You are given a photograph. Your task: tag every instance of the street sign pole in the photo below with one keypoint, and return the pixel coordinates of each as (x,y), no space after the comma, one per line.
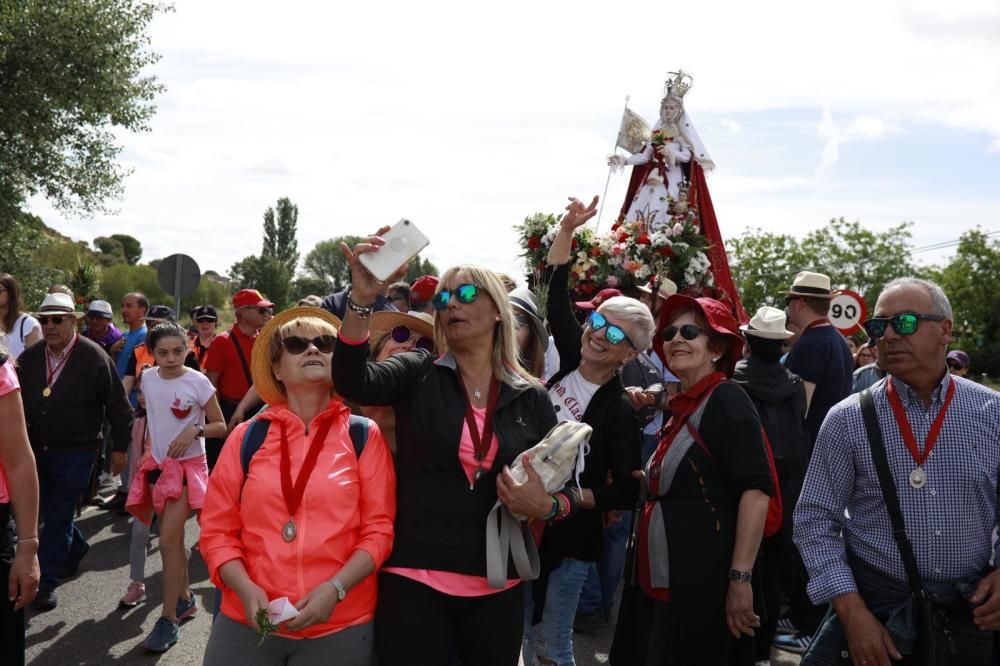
(177,283)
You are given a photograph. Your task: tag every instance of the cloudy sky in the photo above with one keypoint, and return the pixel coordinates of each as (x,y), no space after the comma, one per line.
(467,117)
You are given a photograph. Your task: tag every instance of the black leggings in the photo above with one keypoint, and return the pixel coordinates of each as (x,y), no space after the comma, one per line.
(415,625)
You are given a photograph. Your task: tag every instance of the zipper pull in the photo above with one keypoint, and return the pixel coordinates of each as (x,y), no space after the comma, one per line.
(475,477)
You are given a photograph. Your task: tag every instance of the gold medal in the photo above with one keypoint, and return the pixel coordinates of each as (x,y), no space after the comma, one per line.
(288,531)
(47,392)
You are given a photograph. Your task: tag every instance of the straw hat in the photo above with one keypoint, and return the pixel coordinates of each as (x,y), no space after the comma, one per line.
(384,321)
(667,288)
(811,285)
(260,361)
(768,323)
(58,304)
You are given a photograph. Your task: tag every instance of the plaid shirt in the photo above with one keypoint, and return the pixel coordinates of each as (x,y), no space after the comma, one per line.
(951,521)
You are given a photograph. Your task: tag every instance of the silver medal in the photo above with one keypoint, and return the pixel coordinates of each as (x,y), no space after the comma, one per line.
(918,478)
(288,531)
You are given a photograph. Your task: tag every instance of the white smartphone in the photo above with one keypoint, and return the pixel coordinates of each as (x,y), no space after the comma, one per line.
(403,242)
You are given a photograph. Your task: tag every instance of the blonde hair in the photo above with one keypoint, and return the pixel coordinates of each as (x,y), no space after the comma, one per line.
(303,326)
(506,361)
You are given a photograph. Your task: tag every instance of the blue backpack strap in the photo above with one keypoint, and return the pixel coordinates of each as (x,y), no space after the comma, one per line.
(253,438)
(358,428)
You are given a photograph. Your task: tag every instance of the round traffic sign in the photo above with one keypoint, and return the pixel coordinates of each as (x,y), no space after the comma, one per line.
(847,311)
(179,275)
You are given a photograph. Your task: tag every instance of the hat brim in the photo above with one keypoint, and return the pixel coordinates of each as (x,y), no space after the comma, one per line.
(537,325)
(584,305)
(805,294)
(679,303)
(767,335)
(384,321)
(58,313)
(260,361)
(667,288)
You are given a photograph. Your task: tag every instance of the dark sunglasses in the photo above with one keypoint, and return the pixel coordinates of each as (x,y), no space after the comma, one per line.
(614,334)
(954,366)
(789,299)
(688,332)
(465,293)
(295,344)
(903,324)
(57,320)
(403,334)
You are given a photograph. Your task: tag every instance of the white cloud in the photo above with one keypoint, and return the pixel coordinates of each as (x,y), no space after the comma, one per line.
(732,125)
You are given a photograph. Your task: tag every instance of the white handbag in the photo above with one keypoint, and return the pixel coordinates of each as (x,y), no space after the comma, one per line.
(557,458)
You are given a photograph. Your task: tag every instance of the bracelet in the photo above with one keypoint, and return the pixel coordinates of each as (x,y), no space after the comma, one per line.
(555,509)
(737,576)
(363,311)
(27,539)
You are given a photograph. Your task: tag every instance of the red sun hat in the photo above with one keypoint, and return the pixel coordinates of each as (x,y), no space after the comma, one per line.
(250,297)
(422,289)
(595,302)
(718,316)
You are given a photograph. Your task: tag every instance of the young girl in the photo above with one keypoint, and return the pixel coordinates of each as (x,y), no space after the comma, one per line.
(181,410)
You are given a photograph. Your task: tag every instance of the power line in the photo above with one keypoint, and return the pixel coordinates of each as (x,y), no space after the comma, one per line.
(946,244)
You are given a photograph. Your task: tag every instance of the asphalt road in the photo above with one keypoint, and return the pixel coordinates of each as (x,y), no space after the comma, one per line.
(88,628)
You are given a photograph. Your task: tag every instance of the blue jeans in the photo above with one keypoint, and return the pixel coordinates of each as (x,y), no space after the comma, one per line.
(63,477)
(598,595)
(552,638)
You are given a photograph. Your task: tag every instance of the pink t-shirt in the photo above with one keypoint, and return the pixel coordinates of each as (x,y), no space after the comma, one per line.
(8,384)
(449,582)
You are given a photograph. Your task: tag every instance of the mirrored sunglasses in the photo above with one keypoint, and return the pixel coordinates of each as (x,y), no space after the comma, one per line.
(295,344)
(903,324)
(403,334)
(614,334)
(465,293)
(688,332)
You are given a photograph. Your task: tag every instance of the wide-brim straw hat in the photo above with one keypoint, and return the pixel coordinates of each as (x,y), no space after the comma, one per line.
(383,321)
(667,288)
(768,323)
(810,285)
(260,361)
(58,304)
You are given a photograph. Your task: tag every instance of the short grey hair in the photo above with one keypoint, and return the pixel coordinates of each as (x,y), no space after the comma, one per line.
(636,317)
(942,306)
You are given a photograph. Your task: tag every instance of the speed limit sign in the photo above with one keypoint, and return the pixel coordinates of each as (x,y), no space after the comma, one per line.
(847,311)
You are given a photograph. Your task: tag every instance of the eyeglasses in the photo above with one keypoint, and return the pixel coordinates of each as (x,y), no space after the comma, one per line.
(57,320)
(295,344)
(903,324)
(615,335)
(789,299)
(688,332)
(954,366)
(403,334)
(465,293)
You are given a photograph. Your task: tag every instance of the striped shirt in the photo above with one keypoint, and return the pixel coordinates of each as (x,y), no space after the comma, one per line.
(951,521)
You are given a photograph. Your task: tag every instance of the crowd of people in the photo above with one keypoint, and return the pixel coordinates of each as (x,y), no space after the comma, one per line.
(745,486)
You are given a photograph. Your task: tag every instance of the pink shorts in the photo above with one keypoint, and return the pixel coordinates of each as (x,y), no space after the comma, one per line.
(144,498)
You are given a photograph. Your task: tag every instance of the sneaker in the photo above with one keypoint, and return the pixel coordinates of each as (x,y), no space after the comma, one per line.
(116,503)
(186,608)
(162,637)
(107,479)
(135,593)
(45,600)
(785,626)
(798,642)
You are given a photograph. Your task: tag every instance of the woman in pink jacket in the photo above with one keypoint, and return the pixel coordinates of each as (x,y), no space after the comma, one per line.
(309,519)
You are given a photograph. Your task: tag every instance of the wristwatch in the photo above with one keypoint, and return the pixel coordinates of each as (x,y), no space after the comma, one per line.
(341,590)
(200,429)
(737,576)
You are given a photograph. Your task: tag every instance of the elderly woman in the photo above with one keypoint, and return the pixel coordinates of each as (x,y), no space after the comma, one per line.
(307,517)
(587,388)
(709,484)
(461,419)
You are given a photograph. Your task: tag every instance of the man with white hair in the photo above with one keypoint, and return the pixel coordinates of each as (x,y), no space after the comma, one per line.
(899,507)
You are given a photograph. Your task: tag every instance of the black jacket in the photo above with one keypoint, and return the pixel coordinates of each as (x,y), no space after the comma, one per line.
(614,445)
(440,522)
(87,391)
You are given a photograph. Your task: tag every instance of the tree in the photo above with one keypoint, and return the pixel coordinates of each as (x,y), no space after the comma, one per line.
(110,251)
(326,264)
(972,282)
(419,267)
(74,73)
(21,238)
(762,265)
(131,248)
(280,230)
(266,274)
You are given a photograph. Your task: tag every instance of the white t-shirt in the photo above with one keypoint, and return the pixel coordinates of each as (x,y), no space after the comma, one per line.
(172,405)
(571,395)
(13,342)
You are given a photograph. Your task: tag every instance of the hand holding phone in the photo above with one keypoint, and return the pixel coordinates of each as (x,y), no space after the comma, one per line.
(401,243)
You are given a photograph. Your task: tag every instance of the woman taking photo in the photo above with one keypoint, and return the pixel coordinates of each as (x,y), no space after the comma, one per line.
(460,420)
(308,518)
(587,388)
(18,329)
(709,482)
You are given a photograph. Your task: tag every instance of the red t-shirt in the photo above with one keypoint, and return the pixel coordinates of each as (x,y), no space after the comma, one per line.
(223,359)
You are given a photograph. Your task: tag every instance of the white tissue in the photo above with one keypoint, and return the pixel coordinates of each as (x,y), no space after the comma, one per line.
(281,610)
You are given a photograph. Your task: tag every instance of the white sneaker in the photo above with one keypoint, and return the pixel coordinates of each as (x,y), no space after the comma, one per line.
(107,479)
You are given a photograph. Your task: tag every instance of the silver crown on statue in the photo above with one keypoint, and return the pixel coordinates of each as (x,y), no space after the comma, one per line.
(678,83)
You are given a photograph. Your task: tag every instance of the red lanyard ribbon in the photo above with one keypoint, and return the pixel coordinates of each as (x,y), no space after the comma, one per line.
(293,493)
(48,364)
(904,424)
(482,441)
(816,324)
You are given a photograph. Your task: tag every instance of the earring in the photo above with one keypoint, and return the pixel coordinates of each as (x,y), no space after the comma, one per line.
(715,359)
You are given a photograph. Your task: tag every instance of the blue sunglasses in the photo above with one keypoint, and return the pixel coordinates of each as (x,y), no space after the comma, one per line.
(614,334)
(465,293)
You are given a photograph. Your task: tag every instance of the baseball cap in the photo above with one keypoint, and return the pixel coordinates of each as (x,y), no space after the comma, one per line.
(250,297)
(204,312)
(958,356)
(100,309)
(595,302)
(161,312)
(423,288)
